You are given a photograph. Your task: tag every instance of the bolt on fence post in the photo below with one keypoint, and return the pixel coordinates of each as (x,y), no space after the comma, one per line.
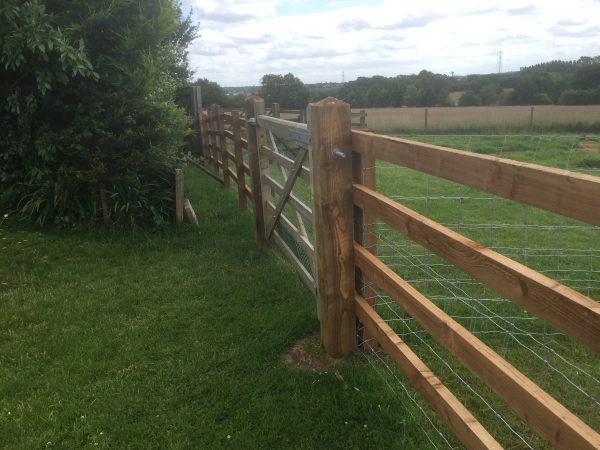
(255,106)
(333,216)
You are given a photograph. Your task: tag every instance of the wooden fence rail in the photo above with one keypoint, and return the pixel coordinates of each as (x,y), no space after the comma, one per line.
(342,248)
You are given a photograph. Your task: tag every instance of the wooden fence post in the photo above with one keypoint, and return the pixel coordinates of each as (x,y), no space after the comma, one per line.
(213,136)
(223,147)
(333,216)
(531,118)
(365,232)
(275,110)
(255,106)
(179,194)
(239,157)
(203,143)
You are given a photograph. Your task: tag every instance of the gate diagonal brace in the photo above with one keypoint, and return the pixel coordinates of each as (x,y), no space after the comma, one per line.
(287,189)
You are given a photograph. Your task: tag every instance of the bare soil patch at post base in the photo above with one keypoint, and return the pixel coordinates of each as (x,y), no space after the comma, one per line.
(306,354)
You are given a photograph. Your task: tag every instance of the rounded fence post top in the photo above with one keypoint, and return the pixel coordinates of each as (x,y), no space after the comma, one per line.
(252,98)
(329,101)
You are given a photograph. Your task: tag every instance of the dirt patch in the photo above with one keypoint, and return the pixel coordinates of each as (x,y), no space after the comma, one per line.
(306,354)
(589,146)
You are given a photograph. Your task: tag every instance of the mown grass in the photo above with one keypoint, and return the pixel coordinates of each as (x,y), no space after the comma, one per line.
(173,339)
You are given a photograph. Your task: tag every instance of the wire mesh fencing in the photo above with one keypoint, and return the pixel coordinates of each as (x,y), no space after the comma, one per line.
(563,249)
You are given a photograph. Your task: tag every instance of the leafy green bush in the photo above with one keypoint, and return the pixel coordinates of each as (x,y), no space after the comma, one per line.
(469,98)
(580,97)
(89,130)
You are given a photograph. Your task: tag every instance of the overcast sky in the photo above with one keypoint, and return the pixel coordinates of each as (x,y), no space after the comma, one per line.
(323,40)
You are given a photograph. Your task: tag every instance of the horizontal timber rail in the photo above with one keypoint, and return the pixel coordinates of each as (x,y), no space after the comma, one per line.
(560,191)
(470,432)
(567,310)
(550,419)
(337,259)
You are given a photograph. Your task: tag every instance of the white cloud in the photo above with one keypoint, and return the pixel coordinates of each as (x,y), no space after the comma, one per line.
(318,40)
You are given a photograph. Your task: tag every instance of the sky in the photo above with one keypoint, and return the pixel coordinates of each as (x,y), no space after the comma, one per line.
(337,40)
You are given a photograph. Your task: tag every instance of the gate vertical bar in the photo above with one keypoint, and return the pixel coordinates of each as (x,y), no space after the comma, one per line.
(333,215)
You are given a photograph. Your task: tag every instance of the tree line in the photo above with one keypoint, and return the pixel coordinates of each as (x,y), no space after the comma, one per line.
(574,82)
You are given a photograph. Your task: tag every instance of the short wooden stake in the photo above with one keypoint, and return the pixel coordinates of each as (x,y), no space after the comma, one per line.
(190,213)
(333,215)
(179,196)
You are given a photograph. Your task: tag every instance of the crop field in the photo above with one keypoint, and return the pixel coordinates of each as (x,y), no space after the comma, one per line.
(501,118)
(565,250)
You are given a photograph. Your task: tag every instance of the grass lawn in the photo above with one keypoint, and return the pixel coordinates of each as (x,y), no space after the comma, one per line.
(173,339)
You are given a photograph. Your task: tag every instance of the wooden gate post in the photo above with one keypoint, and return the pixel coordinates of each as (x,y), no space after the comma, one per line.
(223,146)
(213,135)
(275,110)
(239,157)
(255,106)
(330,122)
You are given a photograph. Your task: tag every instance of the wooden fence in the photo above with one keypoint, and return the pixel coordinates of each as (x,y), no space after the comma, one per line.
(334,232)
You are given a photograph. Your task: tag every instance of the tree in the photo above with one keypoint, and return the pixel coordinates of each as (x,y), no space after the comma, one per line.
(490,94)
(469,98)
(430,90)
(287,90)
(89,127)
(586,77)
(212,92)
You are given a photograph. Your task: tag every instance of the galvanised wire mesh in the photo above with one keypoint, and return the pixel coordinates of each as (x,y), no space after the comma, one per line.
(561,248)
